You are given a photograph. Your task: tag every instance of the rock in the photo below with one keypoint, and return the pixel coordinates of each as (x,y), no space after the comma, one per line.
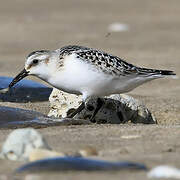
(16,117)
(118,27)
(62,164)
(135,110)
(11,118)
(33,177)
(37,154)
(116,108)
(23,91)
(164,171)
(21,142)
(130,136)
(88,151)
(62,103)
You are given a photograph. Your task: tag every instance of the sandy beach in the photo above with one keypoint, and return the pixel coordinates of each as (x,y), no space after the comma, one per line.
(151,40)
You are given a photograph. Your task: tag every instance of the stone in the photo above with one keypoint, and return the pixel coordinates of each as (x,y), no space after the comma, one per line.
(88,151)
(37,154)
(23,91)
(134,110)
(32,177)
(130,136)
(116,108)
(62,103)
(21,142)
(164,171)
(118,27)
(13,118)
(16,117)
(62,164)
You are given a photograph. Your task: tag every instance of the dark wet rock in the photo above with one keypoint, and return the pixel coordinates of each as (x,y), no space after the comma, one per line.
(23,91)
(77,164)
(14,117)
(116,108)
(20,118)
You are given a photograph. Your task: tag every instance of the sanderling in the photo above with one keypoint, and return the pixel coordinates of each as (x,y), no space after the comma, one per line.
(86,71)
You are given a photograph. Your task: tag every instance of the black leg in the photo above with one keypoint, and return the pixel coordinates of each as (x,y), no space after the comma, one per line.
(78,110)
(100,102)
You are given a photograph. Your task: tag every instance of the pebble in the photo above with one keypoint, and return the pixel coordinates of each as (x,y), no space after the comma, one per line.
(20,143)
(59,164)
(23,91)
(37,154)
(164,171)
(32,177)
(130,136)
(88,151)
(16,117)
(62,103)
(12,118)
(118,27)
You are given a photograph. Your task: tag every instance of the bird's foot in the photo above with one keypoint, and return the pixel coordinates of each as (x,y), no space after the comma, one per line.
(78,110)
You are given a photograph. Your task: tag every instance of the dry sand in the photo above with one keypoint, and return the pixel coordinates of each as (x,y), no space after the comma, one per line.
(152,41)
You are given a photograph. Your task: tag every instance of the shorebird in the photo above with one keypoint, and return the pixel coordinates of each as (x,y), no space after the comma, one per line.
(86,71)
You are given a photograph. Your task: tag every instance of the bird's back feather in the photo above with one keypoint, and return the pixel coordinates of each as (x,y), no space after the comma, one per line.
(110,64)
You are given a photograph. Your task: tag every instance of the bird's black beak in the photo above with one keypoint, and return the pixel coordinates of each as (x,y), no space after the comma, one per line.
(20,76)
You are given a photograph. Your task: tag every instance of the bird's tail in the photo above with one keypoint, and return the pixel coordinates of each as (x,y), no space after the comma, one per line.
(156,72)
(166,72)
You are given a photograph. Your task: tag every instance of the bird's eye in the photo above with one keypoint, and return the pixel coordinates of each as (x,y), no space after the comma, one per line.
(35,61)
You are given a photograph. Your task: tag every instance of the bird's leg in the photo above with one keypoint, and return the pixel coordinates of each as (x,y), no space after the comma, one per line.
(100,103)
(78,110)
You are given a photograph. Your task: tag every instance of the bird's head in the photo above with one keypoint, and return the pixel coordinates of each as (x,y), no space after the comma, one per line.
(36,64)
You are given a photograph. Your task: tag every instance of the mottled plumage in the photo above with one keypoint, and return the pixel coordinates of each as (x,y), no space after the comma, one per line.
(108,63)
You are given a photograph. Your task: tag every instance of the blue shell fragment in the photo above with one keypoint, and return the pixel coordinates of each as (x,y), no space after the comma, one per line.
(77,164)
(24,91)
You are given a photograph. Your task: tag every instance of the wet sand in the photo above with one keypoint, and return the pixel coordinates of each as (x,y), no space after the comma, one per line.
(151,41)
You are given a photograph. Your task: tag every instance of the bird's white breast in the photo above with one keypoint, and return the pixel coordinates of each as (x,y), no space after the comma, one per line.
(80,77)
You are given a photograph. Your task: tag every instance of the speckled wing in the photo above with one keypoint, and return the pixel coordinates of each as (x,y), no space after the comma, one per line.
(108,63)
(103,61)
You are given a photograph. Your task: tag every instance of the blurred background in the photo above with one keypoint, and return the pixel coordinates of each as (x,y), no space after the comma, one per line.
(143,32)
